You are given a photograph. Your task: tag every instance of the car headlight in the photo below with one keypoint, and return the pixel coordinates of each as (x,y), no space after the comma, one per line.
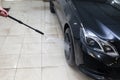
(91,42)
(97,44)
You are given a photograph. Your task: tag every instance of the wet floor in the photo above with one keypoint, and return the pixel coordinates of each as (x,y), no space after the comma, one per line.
(27,55)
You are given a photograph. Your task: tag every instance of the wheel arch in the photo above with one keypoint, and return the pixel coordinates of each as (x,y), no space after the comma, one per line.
(76,58)
(65,27)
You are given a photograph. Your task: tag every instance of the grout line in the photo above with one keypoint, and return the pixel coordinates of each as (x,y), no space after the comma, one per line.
(19,55)
(33,67)
(43,24)
(21,68)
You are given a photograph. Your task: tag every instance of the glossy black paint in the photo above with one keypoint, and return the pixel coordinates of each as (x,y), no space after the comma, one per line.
(101,17)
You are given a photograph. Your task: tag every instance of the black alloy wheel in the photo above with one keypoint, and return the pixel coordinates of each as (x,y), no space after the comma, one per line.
(69,49)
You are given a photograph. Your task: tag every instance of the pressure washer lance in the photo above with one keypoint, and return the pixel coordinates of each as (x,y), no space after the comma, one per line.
(25,24)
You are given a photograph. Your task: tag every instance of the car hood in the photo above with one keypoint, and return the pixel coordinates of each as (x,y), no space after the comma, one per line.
(105,32)
(100,18)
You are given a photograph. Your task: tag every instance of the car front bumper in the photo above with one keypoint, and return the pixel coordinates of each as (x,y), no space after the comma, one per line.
(100,66)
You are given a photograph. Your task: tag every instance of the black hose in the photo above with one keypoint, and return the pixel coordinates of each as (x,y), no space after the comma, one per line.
(25,24)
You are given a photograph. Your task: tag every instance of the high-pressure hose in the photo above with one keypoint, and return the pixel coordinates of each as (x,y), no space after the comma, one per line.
(25,24)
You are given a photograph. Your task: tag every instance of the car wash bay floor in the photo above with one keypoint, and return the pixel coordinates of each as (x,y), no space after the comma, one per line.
(25,54)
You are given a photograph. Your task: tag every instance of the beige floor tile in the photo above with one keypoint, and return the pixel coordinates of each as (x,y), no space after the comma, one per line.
(61,36)
(49,60)
(28,74)
(52,44)
(4,32)
(5,26)
(54,73)
(8,61)
(60,31)
(31,40)
(22,0)
(48,14)
(10,49)
(51,23)
(75,74)
(17,30)
(50,38)
(5,23)
(31,48)
(55,48)
(36,20)
(50,30)
(29,61)
(16,4)
(7,74)
(2,40)
(14,40)
(54,23)
(32,33)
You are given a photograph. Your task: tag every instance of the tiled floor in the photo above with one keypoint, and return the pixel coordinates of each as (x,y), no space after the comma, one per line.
(25,54)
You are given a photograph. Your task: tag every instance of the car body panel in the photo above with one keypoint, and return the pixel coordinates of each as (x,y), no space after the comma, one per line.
(65,15)
(100,17)
(104,22)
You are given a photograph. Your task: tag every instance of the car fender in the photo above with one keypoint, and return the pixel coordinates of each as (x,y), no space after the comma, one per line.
(75,33)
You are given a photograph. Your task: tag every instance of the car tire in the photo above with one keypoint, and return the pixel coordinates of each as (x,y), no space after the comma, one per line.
(52,10)
(69,49)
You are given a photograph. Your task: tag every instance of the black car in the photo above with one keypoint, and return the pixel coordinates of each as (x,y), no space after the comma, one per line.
(92,34)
